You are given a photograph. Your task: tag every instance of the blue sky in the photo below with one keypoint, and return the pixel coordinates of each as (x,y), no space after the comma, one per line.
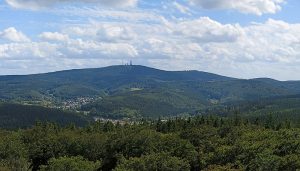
(244,39)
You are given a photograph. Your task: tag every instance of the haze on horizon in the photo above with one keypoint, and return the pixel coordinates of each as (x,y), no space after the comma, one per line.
(242,39)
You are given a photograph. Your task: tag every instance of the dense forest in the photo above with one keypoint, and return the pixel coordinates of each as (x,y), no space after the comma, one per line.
(277,109)
(14,116)
(198,143)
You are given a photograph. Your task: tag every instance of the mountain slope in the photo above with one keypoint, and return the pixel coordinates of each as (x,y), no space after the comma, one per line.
(89,82)
(20,116)
(290,85)
(135,91)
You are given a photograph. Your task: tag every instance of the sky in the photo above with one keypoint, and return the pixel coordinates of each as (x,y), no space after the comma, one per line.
(237,38)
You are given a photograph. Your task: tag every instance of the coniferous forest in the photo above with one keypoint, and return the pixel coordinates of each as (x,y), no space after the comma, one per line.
(198,143)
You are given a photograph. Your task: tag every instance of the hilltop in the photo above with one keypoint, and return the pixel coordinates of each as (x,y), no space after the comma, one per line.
(137,91)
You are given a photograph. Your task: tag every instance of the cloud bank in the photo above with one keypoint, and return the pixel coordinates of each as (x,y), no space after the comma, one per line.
(268,49)
(257,7)
(38,4)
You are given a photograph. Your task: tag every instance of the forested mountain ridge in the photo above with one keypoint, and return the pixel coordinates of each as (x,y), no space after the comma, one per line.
(135,91)
(95,80)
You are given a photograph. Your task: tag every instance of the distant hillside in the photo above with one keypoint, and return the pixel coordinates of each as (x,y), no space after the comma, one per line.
(139,91)
(90,82)
(21,116)
(290,85)
(275,109)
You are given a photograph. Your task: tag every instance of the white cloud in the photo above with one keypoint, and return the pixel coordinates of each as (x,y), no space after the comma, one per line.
(93,49)
(206,30)
(115,33)
(28,51)
(37,4)
(268,49)
(11,34)
(72,49)
(54,36)
(257,7)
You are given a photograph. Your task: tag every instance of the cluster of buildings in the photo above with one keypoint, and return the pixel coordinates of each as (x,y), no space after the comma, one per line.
(74,104)
(114,121)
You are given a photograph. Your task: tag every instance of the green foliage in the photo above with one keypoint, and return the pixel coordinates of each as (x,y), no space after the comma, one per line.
(77,163)
(199,143)
(13,152)
(159,162)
